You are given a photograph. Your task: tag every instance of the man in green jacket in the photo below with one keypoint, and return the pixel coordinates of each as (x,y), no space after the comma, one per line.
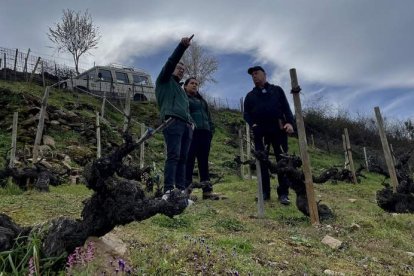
(173,103)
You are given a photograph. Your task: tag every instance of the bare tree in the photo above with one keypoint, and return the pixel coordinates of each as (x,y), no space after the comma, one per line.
(200,64)
(75,34)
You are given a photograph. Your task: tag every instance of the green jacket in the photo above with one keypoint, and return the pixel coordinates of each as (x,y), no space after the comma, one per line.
(200,113)
(171,98)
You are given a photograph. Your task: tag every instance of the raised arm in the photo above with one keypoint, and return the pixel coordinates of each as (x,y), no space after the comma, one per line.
(172,61)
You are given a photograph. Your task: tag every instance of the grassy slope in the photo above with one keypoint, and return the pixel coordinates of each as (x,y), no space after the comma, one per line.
(223,236)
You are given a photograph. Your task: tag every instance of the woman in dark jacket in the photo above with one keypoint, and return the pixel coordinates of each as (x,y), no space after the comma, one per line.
(202,135)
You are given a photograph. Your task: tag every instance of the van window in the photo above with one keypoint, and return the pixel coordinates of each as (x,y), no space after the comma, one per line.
(105,75)
(141,80)
(121,77)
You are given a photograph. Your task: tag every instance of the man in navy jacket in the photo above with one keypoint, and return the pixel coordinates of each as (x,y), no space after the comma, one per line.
(267,111)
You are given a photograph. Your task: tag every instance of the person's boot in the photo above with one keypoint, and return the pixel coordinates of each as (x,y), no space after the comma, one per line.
(283,199)
(210,195)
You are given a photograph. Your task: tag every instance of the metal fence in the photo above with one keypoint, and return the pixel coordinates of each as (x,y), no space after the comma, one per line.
(25,62)
(18,64)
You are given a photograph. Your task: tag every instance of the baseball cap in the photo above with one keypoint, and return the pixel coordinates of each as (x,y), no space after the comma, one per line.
(255,68)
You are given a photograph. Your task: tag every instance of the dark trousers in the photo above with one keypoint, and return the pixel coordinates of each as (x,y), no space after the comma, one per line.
(279,142)
(200,149)
(178,139)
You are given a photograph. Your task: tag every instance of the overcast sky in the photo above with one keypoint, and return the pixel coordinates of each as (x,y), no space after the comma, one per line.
(349,54)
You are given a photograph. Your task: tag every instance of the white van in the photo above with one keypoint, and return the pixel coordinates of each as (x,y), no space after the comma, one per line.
(114,81)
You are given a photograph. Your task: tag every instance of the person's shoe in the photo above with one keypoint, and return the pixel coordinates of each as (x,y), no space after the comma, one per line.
(284,200)
(210,195)
(166,195)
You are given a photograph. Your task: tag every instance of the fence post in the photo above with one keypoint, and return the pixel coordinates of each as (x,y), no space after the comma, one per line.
(25,65)
(392,154)
(366,159)
(40,125)
(386,148)
(349,153)
(313,210)
(127,111)
(241,152)
(14,140)
(34,70)
(5,66)
(313,141)
(346,166)
(43,75)
(142,149)
(248,150)
(15,64)
(103,105)
(98,136)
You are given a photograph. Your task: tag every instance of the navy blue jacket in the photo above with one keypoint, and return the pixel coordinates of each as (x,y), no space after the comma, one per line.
(266,109)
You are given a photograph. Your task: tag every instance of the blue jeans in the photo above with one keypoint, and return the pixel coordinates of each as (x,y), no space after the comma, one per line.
(178,137)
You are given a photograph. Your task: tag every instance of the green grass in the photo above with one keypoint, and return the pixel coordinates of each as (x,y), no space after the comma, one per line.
(225,236)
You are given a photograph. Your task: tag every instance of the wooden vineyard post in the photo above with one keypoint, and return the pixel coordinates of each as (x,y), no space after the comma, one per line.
(25,65)
(313,210)
(142,149)
(241,152)
(386,148)
(349,153)
(40,126)
(366,159)
(313,141)
(127,111)
(346,166)
(43,74)
(248,150)
(14,140)
(393,154)
(98,137)
(15,64)
(260,199)
(34,70)
(248,146)
(5,66)
(103,105)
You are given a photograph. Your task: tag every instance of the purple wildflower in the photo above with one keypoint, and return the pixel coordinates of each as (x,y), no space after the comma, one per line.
(32,268)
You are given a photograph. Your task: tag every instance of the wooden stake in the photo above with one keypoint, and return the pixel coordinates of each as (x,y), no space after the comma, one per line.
(40,126)
(25,64)
(103,105)
(260,200)
(142,149)
(98,137)
(34,70)
(43,75)
(392,154)
(5,66)
(248,150)
(349,152)
(346,166)
(14,140)
(127,111)
(241,152)
(386,148)
(15,64)
(366,159)
(313,210)
(313,141)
